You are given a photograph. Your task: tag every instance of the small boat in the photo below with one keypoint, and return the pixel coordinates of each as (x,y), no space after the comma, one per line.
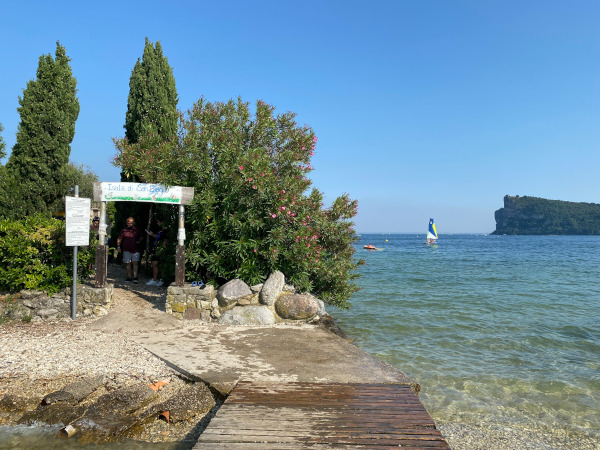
(431,233)
(370,247)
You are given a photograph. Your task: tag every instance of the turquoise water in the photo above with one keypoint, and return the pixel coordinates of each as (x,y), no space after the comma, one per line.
(503,330)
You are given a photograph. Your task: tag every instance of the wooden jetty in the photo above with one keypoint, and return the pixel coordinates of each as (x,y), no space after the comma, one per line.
(323,415)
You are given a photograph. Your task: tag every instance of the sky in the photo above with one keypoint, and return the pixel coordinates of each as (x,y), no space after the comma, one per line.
(422,109)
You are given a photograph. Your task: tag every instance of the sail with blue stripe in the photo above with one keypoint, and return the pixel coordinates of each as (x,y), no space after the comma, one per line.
(432,232)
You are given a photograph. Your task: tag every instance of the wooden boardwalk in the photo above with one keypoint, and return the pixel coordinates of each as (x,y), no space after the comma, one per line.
(323,415)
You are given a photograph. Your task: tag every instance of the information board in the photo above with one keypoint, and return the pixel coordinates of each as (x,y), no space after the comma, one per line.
(77,221)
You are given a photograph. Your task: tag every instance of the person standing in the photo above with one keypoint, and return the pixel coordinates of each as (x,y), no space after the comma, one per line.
(159,241)
(128,242)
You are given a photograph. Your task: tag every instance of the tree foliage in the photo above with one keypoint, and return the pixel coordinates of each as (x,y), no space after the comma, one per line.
(539,216)
(252,211)
(2,143)
(152,100)
(151,110)
(33,255)
(49,109)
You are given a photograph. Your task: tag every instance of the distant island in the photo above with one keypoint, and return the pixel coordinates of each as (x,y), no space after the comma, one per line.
(533,215)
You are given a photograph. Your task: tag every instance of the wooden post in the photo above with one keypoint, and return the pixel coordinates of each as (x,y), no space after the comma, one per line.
(101,258)
(180,265)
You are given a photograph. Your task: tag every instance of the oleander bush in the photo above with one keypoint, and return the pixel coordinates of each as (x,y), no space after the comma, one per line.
(33,255)
(253,209)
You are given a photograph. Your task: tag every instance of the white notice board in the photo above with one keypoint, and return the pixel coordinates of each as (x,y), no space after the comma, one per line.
(78,221)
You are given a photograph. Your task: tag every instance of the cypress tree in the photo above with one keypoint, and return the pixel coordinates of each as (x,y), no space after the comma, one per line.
(49,109)
(152,101)
(151,113)
(2,143)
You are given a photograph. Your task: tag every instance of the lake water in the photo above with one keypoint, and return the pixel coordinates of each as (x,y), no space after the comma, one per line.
(500,331)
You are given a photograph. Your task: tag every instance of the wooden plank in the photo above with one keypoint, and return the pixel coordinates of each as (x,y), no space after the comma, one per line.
(322,415)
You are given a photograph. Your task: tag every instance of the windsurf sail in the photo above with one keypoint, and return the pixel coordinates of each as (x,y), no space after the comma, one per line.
(432,232)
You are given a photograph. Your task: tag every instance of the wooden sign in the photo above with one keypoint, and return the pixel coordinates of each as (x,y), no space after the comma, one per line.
(142,192)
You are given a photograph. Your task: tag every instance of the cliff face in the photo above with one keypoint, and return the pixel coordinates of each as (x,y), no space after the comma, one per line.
(532,215)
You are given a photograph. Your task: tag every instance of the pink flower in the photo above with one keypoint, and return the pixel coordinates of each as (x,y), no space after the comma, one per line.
(312,153)
(304,223)
(273,215)
(241,167)
(253,187)
(283,191)
(262,174)
(283,207)
(254,250)
(303,148)
(315,139)
(249,179)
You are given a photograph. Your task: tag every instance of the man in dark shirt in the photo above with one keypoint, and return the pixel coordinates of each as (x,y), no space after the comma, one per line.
(128,241)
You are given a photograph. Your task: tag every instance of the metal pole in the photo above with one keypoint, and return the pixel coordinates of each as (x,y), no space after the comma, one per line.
(102,227)
(74,293)
(101,249)
(181,230)
(180,250)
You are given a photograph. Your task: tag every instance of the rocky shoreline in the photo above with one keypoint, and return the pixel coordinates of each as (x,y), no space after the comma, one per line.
(50,359)
(41,361)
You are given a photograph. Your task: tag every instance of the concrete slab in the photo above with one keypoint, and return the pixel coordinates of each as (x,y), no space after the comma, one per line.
(222,355)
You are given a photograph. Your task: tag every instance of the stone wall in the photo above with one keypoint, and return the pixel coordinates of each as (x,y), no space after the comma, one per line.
(192,302)
(236,303)
(37,305)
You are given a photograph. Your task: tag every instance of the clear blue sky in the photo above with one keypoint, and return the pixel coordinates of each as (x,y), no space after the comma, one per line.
(422,108)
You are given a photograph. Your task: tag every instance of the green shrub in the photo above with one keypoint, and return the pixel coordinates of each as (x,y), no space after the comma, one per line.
(253,210)
(33,255)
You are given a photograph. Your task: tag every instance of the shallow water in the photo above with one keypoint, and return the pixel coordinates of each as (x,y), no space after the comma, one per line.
(45,437)
(498,330)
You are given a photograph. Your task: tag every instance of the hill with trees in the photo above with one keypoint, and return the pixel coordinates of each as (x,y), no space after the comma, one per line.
(533,215)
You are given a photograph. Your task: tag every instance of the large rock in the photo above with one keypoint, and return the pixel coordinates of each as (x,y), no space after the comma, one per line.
(271,288)
(74,392)
(297,306)
(248,315)
(54,414)
(231,292)
(191,401)
(112,415)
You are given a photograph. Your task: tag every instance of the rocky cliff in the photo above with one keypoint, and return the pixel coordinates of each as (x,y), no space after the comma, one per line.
(533,215)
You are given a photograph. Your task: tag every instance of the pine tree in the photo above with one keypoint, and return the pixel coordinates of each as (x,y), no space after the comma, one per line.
(152,101)
(49,109)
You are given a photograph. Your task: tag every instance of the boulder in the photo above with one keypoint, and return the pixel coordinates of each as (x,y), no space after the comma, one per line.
(231,292)
(297,306)
(191,401)
(13,403)
(248,315)
(272,288)
(57,413)
(112,415)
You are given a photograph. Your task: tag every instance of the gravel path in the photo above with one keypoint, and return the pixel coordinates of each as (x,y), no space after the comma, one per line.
(34,357)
